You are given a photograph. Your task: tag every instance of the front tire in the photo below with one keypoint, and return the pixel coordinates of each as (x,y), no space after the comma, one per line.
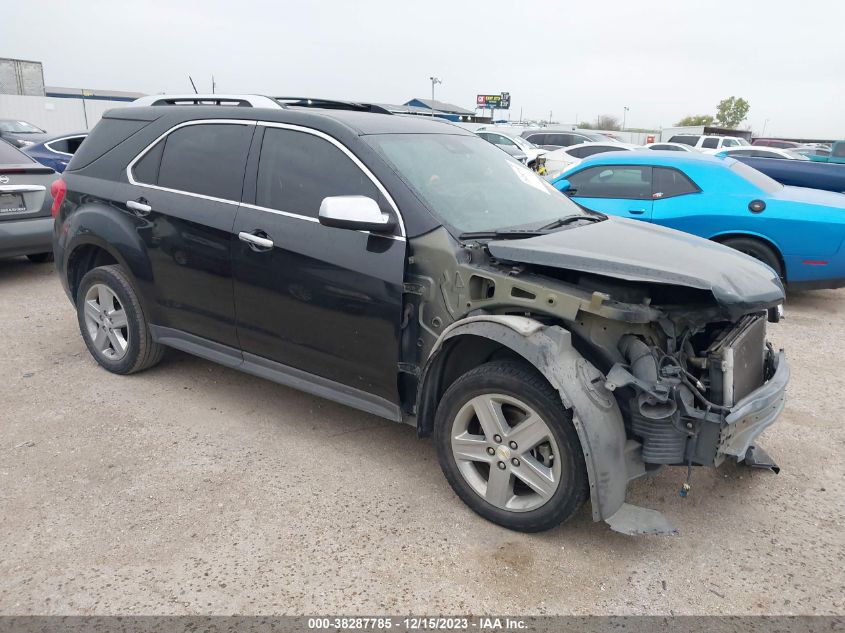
(112,322)
(758,250)
(508,447)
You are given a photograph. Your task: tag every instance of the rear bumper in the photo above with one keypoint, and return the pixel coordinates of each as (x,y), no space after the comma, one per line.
(26,236)
(820,284)
(754,413)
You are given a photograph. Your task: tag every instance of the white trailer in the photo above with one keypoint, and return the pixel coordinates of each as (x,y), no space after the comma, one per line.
(21,77)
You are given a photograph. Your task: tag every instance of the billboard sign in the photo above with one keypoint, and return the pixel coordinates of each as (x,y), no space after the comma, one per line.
(497,102)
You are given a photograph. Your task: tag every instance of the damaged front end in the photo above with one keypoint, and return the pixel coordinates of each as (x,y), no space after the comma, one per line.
(657,367)
(704,397)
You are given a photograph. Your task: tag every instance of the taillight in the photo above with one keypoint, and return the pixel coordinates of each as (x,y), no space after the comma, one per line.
(58,190)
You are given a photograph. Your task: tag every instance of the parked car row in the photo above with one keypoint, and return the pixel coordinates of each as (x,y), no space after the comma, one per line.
(26,226)
(521,149)
(52,150)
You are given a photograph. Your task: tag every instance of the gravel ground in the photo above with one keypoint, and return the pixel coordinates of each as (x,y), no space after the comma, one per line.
(192,488)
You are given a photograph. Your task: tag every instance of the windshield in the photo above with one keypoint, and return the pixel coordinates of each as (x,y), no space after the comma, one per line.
(756,178)
(742,141)
(19,127)
(470,185)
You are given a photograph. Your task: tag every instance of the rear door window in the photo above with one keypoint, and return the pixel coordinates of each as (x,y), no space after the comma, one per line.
(632,182)
(710,142)
(206,159)
(296,170)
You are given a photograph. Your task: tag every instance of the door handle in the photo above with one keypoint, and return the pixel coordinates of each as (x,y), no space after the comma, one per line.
(140,206)
(256,242)
(636,211)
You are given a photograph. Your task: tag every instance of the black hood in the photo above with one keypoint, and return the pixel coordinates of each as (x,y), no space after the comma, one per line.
(636,251)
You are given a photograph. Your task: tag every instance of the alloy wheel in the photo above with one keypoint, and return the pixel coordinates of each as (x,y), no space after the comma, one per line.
(105,320)
(506,452)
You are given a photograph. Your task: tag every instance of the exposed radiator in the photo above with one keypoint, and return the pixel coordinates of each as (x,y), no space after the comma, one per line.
(737,361)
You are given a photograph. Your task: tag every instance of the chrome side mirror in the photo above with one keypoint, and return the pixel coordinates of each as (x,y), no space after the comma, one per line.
(354,212)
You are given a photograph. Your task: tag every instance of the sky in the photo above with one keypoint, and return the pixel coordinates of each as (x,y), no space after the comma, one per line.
(661,59)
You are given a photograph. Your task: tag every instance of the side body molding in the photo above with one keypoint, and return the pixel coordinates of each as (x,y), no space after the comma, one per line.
(595,413)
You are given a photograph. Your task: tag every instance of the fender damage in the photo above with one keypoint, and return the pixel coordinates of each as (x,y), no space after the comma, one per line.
(654,366)
(611,458)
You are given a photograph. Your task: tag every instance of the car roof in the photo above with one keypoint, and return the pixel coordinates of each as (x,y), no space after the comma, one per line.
(658,157)
(622,147)
(54,137)
(360,123)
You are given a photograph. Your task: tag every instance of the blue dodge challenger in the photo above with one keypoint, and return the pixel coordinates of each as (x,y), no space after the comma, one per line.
(798,232)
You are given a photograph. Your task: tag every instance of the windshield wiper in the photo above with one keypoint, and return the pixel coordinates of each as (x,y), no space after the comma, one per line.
(569,219)
(515,233)
(501,234)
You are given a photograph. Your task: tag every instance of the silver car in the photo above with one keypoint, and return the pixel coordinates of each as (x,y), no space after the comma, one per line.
(26,222)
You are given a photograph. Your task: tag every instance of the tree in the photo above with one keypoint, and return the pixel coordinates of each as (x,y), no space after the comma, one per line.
(603,122)
(732,111)
(696,119)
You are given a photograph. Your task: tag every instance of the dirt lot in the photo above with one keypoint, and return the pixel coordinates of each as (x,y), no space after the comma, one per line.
(196,489)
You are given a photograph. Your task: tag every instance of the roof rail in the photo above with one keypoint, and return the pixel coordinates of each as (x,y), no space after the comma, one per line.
(244,101)
(331,104)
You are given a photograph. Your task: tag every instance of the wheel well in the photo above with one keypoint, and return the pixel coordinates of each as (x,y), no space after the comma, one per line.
(83,259)
(457,357)
(721,239)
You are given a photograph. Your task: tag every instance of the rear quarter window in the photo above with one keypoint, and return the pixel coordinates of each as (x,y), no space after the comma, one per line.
(106,135)
(669,183)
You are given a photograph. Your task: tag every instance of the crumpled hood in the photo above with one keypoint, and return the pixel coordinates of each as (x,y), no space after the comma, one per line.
(636,251)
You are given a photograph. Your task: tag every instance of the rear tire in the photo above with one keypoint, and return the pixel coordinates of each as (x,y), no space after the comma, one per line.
(113,323)
(758,250)
(535,478)
(40,258)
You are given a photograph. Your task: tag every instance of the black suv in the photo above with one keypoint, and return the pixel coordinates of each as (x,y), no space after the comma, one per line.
(408,268)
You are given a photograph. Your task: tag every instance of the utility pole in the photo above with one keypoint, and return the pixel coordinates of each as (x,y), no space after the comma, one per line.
(624,116)
(765,123)
(434,82)
(550,117)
